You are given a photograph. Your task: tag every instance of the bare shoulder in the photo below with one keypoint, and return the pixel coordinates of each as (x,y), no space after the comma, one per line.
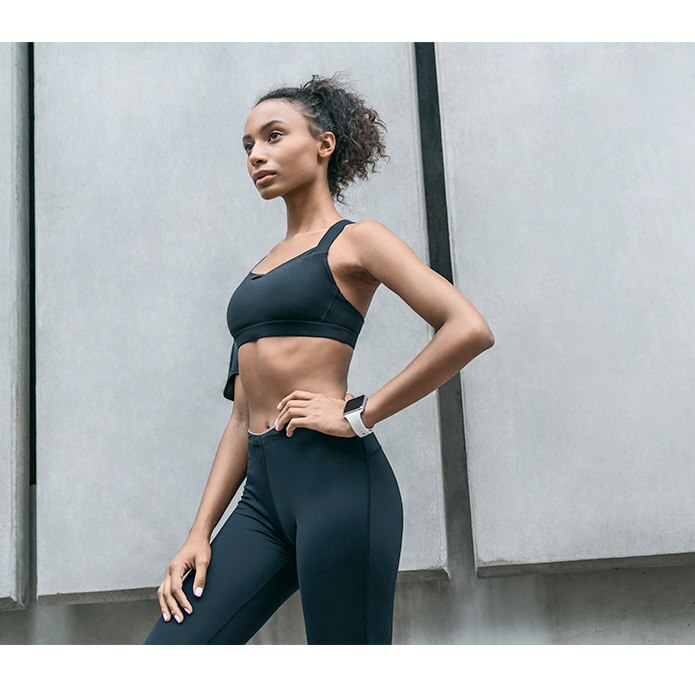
(369,240)
(379,252)
(389,260)
(369,227)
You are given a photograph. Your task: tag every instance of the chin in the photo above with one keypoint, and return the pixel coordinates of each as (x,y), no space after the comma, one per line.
(267,194)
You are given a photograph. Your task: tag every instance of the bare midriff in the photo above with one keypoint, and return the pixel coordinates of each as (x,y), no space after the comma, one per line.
(274,366)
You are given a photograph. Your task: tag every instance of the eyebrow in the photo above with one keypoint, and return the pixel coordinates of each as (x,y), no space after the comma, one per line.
(264,127)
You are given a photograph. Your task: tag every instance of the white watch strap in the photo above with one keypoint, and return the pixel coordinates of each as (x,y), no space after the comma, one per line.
(355,420)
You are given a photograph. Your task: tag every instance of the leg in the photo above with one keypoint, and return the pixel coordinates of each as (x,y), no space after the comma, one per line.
(348,549)
(251,573)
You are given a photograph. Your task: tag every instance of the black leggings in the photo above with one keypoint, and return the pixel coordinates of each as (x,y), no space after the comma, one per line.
(318,513)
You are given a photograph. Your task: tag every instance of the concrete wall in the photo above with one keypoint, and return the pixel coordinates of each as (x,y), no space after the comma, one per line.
(570,177)
(15,390)
(515,185)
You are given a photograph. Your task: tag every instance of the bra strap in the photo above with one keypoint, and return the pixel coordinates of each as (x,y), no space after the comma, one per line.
(332,234)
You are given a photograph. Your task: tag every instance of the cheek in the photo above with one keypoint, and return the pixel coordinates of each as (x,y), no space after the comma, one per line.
(294,173)
(302,164)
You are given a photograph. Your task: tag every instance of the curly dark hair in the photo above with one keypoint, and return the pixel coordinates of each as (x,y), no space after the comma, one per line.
(328,106)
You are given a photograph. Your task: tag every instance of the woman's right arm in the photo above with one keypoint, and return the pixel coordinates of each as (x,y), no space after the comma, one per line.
(228,468)
(226,475)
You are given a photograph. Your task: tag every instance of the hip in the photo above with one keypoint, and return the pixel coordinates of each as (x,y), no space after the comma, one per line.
(311,465)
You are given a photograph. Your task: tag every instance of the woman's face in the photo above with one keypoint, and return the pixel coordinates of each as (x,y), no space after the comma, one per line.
(277,139)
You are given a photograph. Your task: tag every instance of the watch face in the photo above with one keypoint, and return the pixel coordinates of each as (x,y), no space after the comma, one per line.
(354,404)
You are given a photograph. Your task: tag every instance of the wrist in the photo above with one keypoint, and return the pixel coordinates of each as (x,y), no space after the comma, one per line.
(199,530)
(368,418)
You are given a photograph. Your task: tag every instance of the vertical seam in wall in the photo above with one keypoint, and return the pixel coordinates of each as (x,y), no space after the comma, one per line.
(32,278)
(450,394)
(432,159)
(33,499)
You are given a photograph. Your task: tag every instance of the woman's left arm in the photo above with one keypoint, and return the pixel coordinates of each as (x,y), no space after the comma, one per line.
(461,332)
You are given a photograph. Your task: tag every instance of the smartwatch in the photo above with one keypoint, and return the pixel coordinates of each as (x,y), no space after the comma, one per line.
(353,409)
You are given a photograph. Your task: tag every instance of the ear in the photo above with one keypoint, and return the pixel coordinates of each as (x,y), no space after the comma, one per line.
(326,144)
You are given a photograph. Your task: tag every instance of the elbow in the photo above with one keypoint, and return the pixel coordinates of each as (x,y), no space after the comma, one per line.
(484,334)
(477,336)
(482,338)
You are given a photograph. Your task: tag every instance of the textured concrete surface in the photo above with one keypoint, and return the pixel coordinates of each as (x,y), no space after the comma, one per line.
(15,392)
(570,178)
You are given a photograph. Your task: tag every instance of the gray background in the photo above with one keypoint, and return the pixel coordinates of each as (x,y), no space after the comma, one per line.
(567,173)
(570,176)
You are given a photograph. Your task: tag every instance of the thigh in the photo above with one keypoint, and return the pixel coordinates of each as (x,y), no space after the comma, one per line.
(348,550)
(251,573)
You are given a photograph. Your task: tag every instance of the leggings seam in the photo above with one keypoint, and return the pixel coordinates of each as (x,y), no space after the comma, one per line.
(246,602)
(272,498)
(373,452)
(369,511)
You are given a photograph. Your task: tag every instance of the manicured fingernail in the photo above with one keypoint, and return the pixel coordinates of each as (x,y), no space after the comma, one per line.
(276,424)
(279,404)
(166,619)
(188,610)
(199,591)
(177,618)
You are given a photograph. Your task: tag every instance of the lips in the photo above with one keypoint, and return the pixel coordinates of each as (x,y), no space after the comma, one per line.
(265,178)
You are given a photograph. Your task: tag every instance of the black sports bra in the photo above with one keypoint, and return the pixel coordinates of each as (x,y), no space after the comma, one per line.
(298,297)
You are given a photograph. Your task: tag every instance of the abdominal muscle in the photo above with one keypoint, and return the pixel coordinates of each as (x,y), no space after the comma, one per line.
(273,367)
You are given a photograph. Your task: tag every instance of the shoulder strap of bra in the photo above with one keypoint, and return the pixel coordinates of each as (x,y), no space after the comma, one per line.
(332,234)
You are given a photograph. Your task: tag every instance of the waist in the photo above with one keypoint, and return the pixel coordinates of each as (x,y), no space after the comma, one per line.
(262,419)
(308,436)
(272,368)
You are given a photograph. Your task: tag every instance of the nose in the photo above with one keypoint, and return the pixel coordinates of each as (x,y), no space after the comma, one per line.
(255,157)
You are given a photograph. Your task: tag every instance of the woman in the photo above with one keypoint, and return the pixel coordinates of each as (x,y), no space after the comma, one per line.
(321,510)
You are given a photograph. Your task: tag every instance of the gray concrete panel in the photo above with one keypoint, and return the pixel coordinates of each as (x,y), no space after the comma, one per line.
(15,389)
(146,221)
(570,178)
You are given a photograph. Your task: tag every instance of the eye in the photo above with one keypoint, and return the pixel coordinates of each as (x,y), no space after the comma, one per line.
(248,145)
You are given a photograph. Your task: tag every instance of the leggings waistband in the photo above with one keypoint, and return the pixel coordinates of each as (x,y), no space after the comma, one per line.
(263,433)
(271,435)
(267,436)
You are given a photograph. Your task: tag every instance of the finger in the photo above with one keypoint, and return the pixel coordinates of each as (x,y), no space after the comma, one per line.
(279,420)
(286,412)
(291,412)
(177,592)
(281,416)
(299,422)
(170,599)
(296,394)
(201,568)
(163,605)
